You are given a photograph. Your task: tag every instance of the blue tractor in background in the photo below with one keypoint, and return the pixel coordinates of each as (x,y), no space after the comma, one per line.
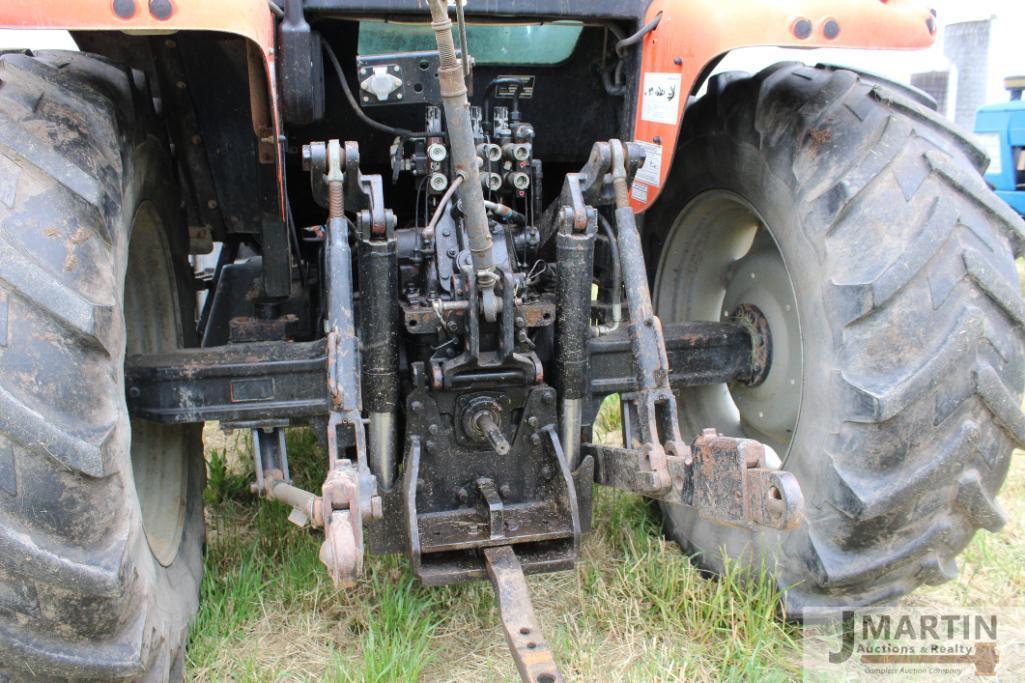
(1000,128)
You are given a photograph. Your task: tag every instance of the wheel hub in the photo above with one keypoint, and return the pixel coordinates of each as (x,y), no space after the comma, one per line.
(751,319)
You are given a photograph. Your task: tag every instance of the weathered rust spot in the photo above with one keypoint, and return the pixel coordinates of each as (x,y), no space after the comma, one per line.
(820,136)
(79,236)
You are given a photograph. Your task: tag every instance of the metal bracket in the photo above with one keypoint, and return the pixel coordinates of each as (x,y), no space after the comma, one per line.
(526,498)
(531,653)
(725,467)
(342,551)
(364,194)
(727,480)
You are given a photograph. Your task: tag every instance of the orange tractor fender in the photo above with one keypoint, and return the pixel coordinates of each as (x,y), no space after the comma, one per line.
(251,19)
(692,33)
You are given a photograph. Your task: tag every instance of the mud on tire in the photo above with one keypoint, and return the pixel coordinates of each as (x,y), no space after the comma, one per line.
(911,321)
(92,260)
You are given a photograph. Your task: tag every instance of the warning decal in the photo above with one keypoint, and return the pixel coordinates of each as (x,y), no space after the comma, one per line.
(660,98)
(651,171)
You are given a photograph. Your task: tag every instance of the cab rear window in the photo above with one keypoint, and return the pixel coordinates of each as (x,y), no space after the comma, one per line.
(489,43)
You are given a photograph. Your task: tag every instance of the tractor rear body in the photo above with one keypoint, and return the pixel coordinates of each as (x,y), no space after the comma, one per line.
(437,238)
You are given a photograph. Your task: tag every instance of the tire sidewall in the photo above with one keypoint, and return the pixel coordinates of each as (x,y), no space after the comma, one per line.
(174,588)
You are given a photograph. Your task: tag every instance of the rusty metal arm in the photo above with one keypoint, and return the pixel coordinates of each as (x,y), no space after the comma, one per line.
(728,481)
(533,657)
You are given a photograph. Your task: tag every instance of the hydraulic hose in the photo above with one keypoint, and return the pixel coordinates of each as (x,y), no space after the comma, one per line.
(428,232)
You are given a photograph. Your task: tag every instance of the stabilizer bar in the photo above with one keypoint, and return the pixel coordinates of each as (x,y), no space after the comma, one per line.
(288,380)
(234,383)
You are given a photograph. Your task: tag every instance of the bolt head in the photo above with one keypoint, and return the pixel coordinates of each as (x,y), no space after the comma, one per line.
(535,439)
(802,28)
(416,406)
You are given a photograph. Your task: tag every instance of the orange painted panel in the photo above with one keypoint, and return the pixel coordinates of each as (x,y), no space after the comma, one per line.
(691,33)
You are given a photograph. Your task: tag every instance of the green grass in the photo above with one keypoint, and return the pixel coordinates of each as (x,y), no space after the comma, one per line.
(634,609)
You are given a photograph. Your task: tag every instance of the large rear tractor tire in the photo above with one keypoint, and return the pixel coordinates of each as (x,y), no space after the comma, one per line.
(855,220)
(101,519)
